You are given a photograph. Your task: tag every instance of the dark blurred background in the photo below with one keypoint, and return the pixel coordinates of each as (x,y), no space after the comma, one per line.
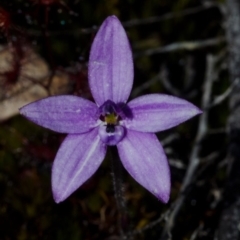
(179,48)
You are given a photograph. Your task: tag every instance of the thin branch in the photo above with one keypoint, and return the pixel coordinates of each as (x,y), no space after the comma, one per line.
(164,77)
(219,99)
(202,131)
(152,224)
(154,19)
(196,232)
(230,216)
(177,163)
(169,139)
(189,46)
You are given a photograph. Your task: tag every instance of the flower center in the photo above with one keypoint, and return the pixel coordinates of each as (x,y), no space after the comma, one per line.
(111,121)
(110,131)
(109,116)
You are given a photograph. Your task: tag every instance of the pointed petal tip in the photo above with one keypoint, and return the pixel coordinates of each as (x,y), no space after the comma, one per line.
(112,18)
(194,111)
(59,195)
(21,110)
(162,194)
(199,111)
(57,198)
(24,111)
(112,22)
(164,198)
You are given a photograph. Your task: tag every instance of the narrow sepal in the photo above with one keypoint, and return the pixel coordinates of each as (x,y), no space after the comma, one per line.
(110,63)
(157,112)
(143,157)
(64,114)
(77,160)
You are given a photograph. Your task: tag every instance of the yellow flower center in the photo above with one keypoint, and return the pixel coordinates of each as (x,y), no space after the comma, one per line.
(111,119)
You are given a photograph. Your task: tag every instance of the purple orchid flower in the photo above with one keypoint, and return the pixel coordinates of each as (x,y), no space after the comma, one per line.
(91,127)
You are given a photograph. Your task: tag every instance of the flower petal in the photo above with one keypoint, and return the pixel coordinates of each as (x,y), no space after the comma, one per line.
(157,112)
(143,157)
(64,114)
(77,160)
(110,63)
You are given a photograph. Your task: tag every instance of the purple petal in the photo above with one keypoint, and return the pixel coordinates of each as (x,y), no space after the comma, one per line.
(157,112)
(65,114)
(143,157)
(110,63)
(77,160)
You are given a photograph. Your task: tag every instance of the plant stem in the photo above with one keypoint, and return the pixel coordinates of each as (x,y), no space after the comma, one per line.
(117,170)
